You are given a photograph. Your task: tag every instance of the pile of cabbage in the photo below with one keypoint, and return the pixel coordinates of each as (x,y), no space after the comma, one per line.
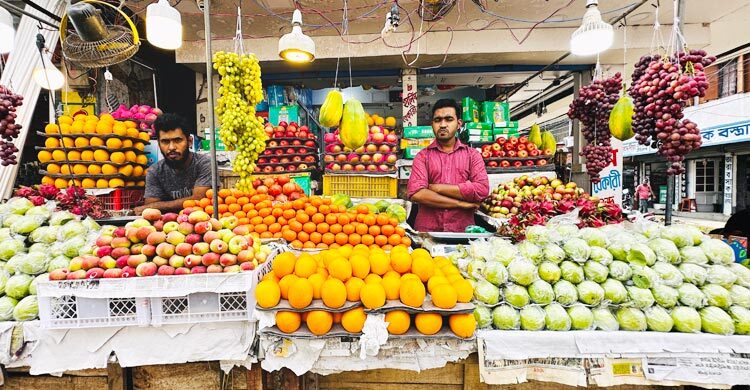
(35,240)
(632,277)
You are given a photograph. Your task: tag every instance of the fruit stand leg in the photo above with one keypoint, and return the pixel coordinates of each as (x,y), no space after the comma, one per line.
(255,378)
(117,377)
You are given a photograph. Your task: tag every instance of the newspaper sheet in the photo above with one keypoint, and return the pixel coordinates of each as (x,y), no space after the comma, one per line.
(725,369)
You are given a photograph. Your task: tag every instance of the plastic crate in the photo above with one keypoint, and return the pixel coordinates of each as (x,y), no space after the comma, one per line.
(357,186)
(118,199)
(67,311)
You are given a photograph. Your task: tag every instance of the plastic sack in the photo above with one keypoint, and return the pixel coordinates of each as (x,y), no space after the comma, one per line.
(27,309)
(495,273)
(693,255)
(605,320)
(691,296)
(644,277)
(693,273)
(590,293)
(516,295)
(505,317)
(26,224)
(717,296)
(716,321)
(741,317)
(717,251)
(640,297)
(9,248)
(658,319)
(619,249)
(594,237)
(70,230)
(742,272)
(631,319)
(665,296)
(641,254)
(483,316)
(44,234)
(537,234)
(678,234)
(17,286)
(721,275)
(565,226)
(7,304)
(740,296)
(600,255)
(530,251)
(556,318)
(39,247)
(686,319)
(553,253)
(541,292)
(581,317)
(549,272)
(59,218)
(18,205)
(532,318)
(614,291)
(577,250)
(668,273)
(571,272)
(620,270)
(42,211)
(595,272)
(522,271)
(487,293)
(34,263)
(665,250)
(565,292)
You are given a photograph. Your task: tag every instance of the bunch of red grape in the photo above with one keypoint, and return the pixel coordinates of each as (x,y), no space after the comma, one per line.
(660,90)
(592,108)
(9,129)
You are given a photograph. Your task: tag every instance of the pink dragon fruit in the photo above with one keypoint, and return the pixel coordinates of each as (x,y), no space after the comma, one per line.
(37,200)
(76,192)
(26,192)
(48,191)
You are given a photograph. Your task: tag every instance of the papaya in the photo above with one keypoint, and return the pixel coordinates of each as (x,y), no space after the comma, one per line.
(353,130)
(621,119)
(332,109)
(535,135)
(548,142)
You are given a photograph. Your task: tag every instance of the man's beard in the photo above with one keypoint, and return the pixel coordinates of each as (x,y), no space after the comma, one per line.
(177,164)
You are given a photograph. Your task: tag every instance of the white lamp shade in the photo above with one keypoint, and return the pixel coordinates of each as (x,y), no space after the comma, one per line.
(164,25)
(296,46)
(594,36)
(48,77)
(7,32)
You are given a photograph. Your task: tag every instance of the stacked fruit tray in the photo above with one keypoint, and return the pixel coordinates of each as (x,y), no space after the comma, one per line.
(377,156)
(93,152)
(515,154)
(290,148)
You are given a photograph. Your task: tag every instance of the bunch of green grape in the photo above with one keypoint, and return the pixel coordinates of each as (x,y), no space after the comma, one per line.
(240,91)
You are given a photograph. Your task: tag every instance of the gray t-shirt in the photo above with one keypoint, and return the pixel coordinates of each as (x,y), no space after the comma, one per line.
(165,183)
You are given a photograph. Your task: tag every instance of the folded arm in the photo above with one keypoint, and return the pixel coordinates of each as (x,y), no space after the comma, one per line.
(444,196)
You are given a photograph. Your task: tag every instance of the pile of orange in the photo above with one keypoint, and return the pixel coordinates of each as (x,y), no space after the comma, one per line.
(81,147)
(370,277)
(312,222)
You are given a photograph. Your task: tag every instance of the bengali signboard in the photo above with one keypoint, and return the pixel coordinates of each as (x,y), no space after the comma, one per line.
(719,135)
(611,183)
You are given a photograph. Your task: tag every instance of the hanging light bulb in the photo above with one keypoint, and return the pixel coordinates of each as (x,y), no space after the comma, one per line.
(48,76)
(164,25)
(594,36)
(7,32)
(296,46)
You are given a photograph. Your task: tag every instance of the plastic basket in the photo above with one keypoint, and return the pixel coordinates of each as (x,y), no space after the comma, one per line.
(122,199)
(360,186)
(67,311)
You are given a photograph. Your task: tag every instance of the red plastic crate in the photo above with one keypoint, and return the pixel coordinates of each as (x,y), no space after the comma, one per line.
(122,199)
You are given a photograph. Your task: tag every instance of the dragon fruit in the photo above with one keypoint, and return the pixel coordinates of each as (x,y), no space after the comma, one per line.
(48,191)
(25,192)
(37,200)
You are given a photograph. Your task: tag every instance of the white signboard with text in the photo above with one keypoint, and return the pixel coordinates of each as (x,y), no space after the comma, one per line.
(720,135)
(610,185)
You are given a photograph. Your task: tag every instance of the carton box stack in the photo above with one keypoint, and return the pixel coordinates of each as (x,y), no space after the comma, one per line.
(415,139)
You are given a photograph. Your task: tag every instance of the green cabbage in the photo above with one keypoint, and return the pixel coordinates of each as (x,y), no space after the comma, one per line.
(486,292)
(721,275)
(686,319)
(717,296)
(553,253)
(19,205)
(565,292)
(614,291)
(581,317)
(741,317)
(11,266)
(45,234)
(532,318)
(594,237)
(650,229)
(475,268)
(8,220)
(740,296)
(605,320)
(716,321)
(42,211)
(619,250)
(516,295)
(640,297)
(72,246)
(693,255)
(541,292)
(577,250)
(665,250)
(522,271)
(556,318)
(505,253)
(600,255)
(93,226)
(39,247)
(567,231)
(742,272)
(691,296)
(9,248)
(27,309)
(631,319)
(596,272)
(697,236)
(658,319)
(537,234)
(70,230)
(5,234)
(717,251)
(693,273)
(34,263)
(641,254)
(549,271)
(678,234)
(530,251)
(571,272)
(7,304)
(668,273)
(4,276)
(665,296)
(495,273)
(41,277)
(620,270)
(590,293)
(60,218)
(26,224)
(483,316)
(644,277)
(17,286)
(505,317)
(58,262)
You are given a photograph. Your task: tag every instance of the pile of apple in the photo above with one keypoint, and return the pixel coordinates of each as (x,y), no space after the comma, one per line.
(514,152)
(289,148)
(282,188)
(377,155)
(170,244)
(508,198)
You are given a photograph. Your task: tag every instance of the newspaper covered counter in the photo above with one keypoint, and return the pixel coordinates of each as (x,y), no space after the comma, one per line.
(582,358)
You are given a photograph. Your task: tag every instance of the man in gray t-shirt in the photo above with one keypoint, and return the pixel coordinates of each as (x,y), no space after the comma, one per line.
(181,174)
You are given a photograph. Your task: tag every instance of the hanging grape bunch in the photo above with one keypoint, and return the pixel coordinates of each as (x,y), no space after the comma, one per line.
(9,129)
(592,108)
(240,91)
(661,88)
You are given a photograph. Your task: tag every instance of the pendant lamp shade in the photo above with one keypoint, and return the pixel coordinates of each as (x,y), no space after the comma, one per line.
(296,46)
(48,76)
(594,36)
(163,25)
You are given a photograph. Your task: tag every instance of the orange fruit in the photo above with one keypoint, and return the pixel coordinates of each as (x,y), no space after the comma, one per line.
(354,320)
(300,293)
(444,297)
(267,294)
(79,169)
(305,266)
(360,266)
(87,155)
(319,322)
(463,325)
(353,287)
(428,323)
(44,156)
(285,284)
(398,321)
(372,295)
(102,183)
(340,269)
(464,291)
(51,142)
(116,183)
(372,278)
(436,281)
(401,262)
(284,264)
(53,168)
(391,286)
(101,155)
(422,267)
(114,143)
(334,293)
(412,292)
(287,321)
(117,157)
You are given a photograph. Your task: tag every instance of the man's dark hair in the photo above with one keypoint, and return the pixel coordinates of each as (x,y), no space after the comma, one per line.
(738,224)
(444,103)
(169,122)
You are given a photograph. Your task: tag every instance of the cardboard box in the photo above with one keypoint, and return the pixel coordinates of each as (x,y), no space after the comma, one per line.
(283,114)
(476,138)
(423,142)
(418,132)
(480,133)
(497,113)
(411,151)
(469,110)
(478,126)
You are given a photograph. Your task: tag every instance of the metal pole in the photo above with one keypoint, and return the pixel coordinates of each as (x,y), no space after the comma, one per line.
(211,118)
(671,179)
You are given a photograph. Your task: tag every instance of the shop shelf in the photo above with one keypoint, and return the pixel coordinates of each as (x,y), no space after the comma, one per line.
(357,186)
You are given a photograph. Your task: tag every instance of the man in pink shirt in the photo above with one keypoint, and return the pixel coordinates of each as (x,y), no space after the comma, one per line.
(448,179)
(644,194)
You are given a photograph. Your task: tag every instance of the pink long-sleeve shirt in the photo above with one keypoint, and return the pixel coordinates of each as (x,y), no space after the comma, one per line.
(463,167)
